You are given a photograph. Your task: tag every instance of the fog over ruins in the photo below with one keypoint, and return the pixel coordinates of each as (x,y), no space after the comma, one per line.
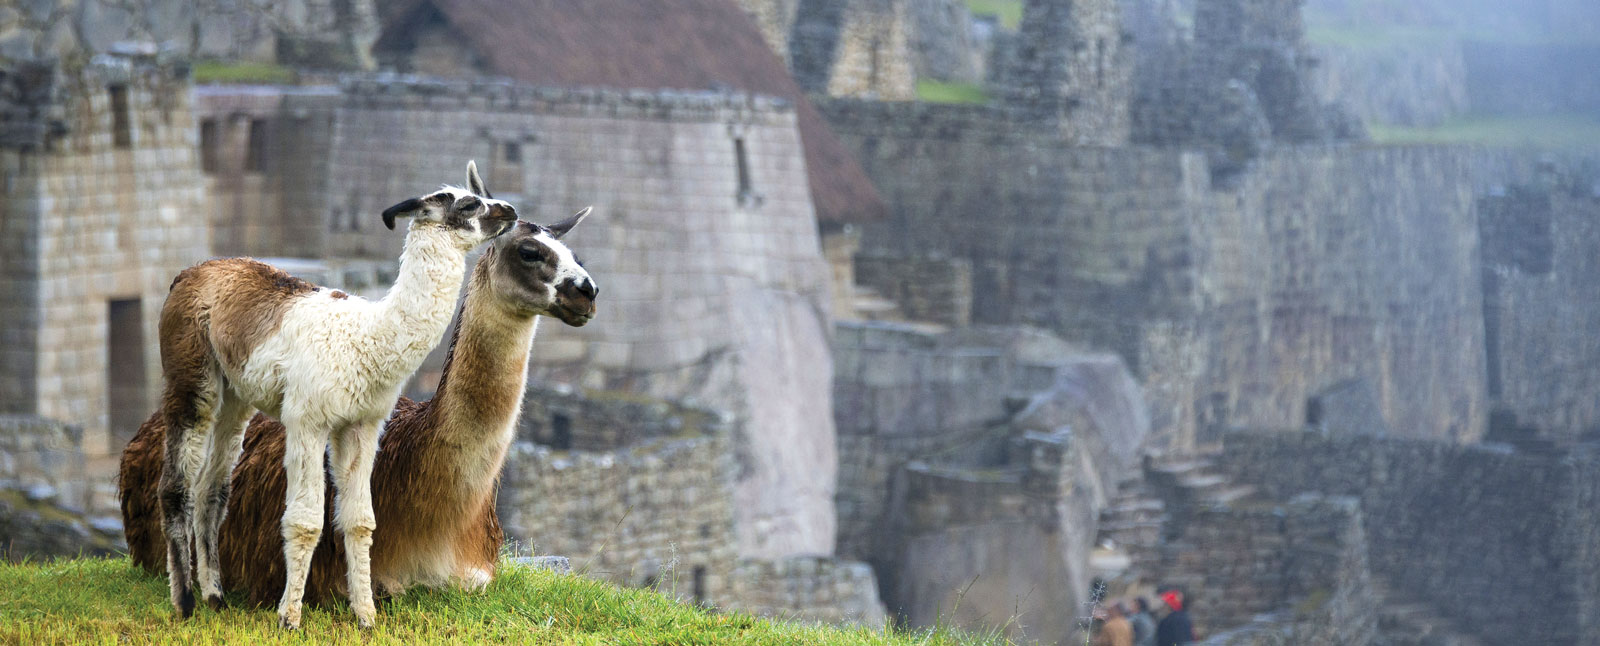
(982,313)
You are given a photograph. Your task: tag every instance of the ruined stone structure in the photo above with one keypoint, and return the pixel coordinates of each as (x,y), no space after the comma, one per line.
(641,492)
(1484,534)
(856,48)
(102,179)
(1539,248)
(971,448)
(322,34)
(1239,84)
(1069,69)
(1225,314)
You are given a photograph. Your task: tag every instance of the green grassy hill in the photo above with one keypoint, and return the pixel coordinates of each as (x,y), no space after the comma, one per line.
(110,601)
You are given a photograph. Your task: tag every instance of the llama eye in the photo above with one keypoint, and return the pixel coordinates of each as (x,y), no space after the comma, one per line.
(530,255)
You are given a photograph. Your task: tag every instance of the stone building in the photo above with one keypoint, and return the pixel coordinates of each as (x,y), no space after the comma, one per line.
(640,492)
(103,193)
(324,34)
(1070,69)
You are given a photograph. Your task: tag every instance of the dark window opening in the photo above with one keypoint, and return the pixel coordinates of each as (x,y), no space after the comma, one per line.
(1100,63)
(699,583)
(744,169)
(561,432)
(255,160)
(872,65)
(208,145)
(1314,412)
(125,370)
(121,121)
(505,176)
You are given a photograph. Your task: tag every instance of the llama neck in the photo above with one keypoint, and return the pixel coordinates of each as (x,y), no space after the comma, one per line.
(480,391)
(418,306)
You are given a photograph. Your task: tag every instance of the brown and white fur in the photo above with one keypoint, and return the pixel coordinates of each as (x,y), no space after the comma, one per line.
(238,336)
(438,461)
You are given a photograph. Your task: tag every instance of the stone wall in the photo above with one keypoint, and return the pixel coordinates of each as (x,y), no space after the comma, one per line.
(1486,535)
(644,497)
(1539,251)
(925,288)
(1233,303)
(1401,83)
(968,448)
(658,513)
(902,395)
(1306,558)
(808,589)
(306,33)
(48,505)
(265,153)
(855,48)
(943,43)
(1239,82)
(1070,68)
(113,190)
(716,290)
(565,419)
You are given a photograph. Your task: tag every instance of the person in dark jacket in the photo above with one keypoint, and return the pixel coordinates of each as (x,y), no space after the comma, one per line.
(1175,629)
(1144,627)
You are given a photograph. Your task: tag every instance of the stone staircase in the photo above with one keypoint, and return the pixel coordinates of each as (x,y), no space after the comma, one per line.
(1403,623)
(870,305)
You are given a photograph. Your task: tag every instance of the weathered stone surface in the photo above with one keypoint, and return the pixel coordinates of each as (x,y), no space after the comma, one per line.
(1483,534)
(967,448)
(1069,70)
(1232,304)
(810,589)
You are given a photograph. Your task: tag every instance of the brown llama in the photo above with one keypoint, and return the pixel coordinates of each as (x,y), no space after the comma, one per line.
(438,461)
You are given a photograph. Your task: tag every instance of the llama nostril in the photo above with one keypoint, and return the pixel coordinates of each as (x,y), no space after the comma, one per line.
(587,288)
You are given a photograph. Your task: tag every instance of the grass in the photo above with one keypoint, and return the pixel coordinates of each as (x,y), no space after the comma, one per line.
(1563,132)
(942,92)
(107,601)
(242,72)
(1009,12)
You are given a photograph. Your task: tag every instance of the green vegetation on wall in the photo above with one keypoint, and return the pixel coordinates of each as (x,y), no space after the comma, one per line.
(942,92)
(1563,132)
(242,72)
(1009,12)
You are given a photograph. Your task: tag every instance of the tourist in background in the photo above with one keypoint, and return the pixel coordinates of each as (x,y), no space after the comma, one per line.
(1144,626)
(1175,629)
(1116,631)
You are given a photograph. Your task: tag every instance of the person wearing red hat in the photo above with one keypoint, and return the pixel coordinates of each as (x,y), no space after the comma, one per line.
(1175,629)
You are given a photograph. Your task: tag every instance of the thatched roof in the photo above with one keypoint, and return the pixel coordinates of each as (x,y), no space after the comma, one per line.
(645,44)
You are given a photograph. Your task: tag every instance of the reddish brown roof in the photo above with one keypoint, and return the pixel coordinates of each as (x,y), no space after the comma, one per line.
(647,44)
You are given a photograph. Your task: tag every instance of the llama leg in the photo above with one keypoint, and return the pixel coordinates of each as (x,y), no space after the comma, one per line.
(211,492)
(189,404)
(303,511)
(354,450)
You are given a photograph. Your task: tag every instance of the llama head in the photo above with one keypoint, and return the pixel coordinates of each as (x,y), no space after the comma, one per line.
(535,273)
(469,216)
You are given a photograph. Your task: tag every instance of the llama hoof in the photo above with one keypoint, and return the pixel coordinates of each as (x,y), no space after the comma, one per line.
(186,606)
(288,624)
(214,601)
(365,618)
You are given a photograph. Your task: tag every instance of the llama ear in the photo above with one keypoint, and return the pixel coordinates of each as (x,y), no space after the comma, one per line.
(561,228)
(474,182)
(402,210)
